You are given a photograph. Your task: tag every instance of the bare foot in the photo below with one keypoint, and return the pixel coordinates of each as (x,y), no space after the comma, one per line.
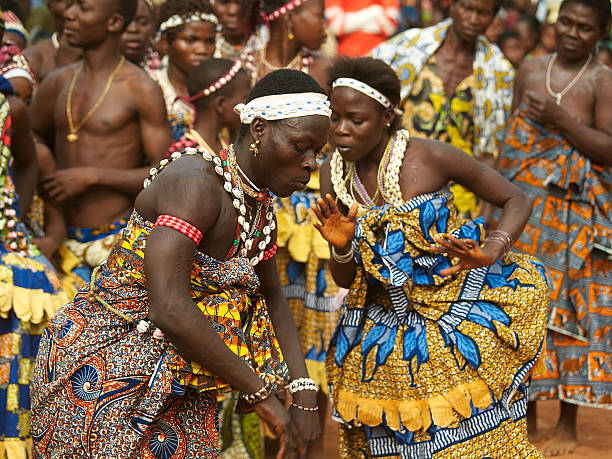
(562,442)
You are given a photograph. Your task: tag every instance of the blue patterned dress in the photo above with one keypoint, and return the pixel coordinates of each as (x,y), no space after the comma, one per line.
(424,365)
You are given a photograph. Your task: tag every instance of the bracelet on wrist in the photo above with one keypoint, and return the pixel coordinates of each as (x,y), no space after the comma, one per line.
(261,394)
(342,258)
(301,384)
(303,408)
(503,238)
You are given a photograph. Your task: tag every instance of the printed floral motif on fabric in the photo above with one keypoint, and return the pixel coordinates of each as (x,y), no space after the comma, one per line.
(417,354)
(94,366)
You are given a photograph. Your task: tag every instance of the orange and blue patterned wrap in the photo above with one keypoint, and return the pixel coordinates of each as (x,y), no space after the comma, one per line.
(570,231)
(418,357)
(96,373)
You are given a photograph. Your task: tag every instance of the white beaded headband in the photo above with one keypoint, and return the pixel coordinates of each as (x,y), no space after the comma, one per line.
(363,88)
(177,21)
(283,106)
(286,8)
(214,87)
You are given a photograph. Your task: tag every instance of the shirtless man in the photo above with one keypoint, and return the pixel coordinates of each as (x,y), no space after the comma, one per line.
(104,118)
(48,55)
(558,150)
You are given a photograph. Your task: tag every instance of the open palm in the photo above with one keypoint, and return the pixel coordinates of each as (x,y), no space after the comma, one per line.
(335,228)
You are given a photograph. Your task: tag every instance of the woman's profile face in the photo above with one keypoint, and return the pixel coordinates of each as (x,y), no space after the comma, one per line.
(308,23)
(288,152)
(358,123)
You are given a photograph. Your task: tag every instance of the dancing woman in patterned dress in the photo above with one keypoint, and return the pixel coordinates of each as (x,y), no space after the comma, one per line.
(191,304)
(442,324)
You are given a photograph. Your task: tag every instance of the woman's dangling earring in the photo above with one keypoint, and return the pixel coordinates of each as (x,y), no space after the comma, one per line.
(254,147)
(388,125)
(290,31)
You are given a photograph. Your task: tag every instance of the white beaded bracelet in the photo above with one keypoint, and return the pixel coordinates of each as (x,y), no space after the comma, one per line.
(301,384)
(342,258)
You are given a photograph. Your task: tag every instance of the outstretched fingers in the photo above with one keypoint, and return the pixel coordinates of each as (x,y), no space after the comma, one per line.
(452,270)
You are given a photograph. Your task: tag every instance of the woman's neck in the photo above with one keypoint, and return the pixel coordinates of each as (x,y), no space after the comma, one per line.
(178,79)
(280,50)
(372,160)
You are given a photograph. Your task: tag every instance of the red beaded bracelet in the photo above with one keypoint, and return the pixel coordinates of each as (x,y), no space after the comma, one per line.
(181,226)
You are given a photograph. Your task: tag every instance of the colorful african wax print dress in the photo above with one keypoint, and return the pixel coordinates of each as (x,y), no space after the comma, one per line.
(108,384)
(423,365)
(239,433)
(570,231)
(30,294)
(473,118)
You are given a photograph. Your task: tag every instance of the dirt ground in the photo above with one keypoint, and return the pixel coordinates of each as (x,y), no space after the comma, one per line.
(594,432)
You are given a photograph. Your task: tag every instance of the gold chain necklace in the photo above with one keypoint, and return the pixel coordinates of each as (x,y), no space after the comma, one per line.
(72,134)
(291,65)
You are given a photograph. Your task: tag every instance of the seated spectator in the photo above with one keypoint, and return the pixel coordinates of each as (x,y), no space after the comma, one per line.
(512,46)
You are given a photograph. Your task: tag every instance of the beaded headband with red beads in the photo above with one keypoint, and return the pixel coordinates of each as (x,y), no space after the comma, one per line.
(286,8)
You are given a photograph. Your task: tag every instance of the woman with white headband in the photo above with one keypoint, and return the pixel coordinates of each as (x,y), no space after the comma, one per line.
(189,304)
(442,324)
(186,33)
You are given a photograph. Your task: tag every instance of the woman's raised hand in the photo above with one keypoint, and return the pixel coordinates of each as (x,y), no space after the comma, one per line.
(470,254)
(335,228)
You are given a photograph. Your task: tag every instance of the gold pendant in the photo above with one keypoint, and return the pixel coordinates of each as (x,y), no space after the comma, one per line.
(72,137)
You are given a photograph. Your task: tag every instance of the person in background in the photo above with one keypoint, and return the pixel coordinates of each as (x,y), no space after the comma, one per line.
(215,87)
(296,31)
(456,85)
(15,68)
(55,52)
(187,33)
(14,31)
(604,53)
(136,40)
(361,25)
(29,287)
(528,27)
(558,150)
(511,44)
(103,119)
(546,45)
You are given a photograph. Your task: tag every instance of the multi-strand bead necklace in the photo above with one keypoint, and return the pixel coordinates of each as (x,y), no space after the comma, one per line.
(387,180)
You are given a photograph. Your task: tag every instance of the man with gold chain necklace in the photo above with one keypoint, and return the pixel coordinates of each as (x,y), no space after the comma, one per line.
(104,120)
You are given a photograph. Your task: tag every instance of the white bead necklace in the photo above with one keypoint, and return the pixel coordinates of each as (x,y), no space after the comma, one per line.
(559,95)
(391,191)
(249,229)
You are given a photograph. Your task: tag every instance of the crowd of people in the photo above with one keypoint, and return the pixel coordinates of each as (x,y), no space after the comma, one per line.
(227,224)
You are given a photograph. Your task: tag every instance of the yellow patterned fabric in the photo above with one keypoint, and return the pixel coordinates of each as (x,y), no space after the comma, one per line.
(427,362)
(430,113)
(408,52)
(225,292)
(302,260)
